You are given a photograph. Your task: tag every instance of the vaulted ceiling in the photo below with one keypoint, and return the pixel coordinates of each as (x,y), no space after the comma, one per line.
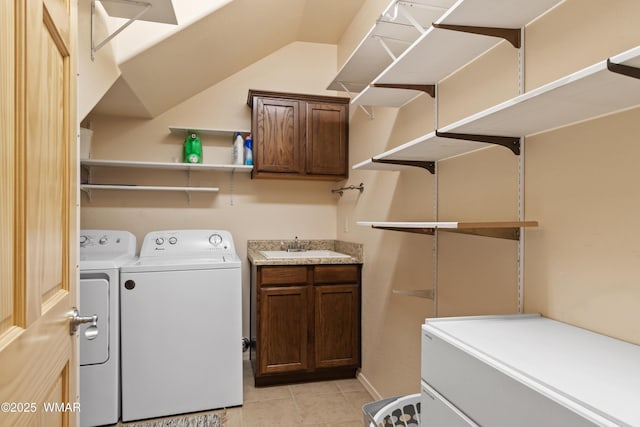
(218,45)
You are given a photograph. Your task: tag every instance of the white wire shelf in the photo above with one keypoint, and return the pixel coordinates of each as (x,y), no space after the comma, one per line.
(166,165)
(439,52)
(499,229)
(592,92)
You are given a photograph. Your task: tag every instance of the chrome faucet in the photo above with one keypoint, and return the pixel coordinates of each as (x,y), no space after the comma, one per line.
(296,246)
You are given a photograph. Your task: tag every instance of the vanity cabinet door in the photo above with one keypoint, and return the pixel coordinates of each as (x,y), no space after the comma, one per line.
(337,325)
(283,330)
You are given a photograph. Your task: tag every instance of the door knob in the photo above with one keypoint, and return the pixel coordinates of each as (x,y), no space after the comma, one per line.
(76,320)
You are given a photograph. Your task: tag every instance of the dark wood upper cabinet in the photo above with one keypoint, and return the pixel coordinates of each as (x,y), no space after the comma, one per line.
(299,136)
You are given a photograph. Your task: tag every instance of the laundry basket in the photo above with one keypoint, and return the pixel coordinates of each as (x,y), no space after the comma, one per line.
(401,411)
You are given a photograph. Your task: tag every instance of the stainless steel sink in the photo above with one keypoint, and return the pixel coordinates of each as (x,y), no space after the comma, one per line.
(318,253)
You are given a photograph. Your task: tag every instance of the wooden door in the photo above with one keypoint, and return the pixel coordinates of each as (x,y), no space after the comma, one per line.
(277,139)
(326,150)
(337,325)
(38,212)
(283,329)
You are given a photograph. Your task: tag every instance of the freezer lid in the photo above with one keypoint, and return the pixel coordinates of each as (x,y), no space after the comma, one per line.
(586,370)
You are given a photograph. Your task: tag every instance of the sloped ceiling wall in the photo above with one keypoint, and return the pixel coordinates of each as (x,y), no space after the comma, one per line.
(217,46)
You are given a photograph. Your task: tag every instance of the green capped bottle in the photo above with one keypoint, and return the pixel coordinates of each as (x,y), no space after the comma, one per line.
(192,152)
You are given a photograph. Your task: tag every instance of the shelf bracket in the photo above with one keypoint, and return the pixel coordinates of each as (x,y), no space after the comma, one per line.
(369,114)
(95,47)
(411,4)
(429,231)
(385,47)
(346,89)
(188,185)
(420,293)
(87,191)
(512,35)
(498,233)
(411,19)
(428,89)
(428,165)
(510,142)
(625,70)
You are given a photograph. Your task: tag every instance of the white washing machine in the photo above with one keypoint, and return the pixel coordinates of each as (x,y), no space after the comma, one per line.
(102,253)
(181,332)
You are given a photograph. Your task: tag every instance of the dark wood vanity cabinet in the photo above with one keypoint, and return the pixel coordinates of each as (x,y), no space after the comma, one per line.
(305,322)
(299,136)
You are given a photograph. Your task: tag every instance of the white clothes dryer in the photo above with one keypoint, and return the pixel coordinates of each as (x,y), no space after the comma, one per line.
(181,312)
(102,253)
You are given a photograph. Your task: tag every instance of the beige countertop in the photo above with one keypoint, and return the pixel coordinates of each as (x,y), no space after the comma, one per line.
(256,258)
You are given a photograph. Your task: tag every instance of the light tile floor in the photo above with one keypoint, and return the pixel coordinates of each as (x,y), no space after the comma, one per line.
(326,403)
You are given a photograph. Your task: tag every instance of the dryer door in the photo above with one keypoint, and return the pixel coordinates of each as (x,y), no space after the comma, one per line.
(94,299)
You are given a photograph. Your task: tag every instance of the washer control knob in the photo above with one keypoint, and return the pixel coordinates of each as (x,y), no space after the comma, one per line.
(84,240)
(215,239)
(159,240)
(103,240)
(173,240)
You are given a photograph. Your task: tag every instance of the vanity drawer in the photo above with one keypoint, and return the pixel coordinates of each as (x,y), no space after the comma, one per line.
(436,411)
(283,275)
(337,274)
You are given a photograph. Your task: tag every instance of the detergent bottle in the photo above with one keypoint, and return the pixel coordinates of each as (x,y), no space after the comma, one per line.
(192,149)
(248,150)
(237,157)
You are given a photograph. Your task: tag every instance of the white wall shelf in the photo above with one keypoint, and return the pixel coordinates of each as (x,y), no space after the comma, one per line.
(132,10)
(592,92)
(90,186)
(498,229)
(88,164)
(438,52)
(181,130)
(166,165)
(86,187)
(389,37)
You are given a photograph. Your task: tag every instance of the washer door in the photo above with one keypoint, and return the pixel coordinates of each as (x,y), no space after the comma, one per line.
(94,299)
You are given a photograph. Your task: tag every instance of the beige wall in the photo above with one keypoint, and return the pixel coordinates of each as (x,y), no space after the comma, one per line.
(261,209)
(580,184)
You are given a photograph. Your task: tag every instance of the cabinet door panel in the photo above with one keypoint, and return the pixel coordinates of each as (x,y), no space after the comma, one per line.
(283,329)
(277,136)
(326,127)
(337,325)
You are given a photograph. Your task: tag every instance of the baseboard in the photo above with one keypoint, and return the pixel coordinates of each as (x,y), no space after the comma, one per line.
(367,385)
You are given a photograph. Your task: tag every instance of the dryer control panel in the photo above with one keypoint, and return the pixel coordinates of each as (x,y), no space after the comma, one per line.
(187,243)
(106,242)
